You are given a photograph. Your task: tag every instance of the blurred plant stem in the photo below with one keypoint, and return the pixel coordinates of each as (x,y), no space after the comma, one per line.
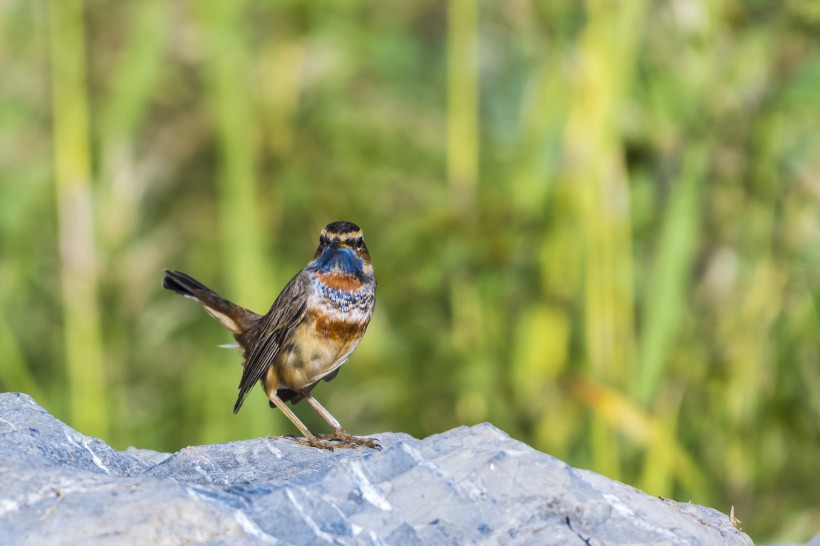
(462,176)
(87,387)
(664,304)
(594,156)
(228,68)
(462,103)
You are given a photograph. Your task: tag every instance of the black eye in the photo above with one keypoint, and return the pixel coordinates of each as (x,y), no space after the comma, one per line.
(323,240)
(359,243)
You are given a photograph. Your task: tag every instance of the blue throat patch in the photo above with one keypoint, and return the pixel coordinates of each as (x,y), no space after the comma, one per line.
(343,260)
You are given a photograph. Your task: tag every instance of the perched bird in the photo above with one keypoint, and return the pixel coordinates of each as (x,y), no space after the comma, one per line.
(309,332)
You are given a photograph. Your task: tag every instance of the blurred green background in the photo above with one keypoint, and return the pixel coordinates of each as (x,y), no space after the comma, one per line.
(595,224)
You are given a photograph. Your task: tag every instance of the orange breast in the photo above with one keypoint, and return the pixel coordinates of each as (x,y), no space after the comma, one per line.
(335,328)
(339,281)
(317,346)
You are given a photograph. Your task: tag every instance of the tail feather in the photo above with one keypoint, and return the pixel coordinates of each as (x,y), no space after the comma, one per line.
(235,318)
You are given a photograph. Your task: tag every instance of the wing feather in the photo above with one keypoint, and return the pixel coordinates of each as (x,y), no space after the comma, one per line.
(271,332)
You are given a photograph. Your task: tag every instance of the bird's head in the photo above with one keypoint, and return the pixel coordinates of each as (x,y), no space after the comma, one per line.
(342,249)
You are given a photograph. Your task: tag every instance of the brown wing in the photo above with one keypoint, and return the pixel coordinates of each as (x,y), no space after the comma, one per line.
(263,341)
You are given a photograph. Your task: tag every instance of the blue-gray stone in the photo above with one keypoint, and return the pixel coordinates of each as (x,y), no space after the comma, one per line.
(470,485)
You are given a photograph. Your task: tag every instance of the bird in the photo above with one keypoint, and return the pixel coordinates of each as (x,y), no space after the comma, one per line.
(308,333)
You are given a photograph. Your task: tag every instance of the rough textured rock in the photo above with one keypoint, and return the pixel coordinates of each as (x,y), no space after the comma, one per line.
(468,485)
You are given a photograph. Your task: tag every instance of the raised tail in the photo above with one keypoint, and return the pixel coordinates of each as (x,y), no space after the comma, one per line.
(235,318)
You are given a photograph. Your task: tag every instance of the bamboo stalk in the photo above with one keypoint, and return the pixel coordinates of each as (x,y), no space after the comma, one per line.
(228,70)
(595,168)
(462,177)
(87,396)
(665,294)
(462,102)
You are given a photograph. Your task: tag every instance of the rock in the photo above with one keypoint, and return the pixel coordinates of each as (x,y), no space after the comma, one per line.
(467,485)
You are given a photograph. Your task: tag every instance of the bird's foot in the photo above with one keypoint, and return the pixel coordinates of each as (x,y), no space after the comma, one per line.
(351,441)
(313,441)
(318,443)
(339,438)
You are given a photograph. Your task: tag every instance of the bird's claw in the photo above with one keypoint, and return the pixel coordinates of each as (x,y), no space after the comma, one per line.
(340,439)
(318,443)
(351,441)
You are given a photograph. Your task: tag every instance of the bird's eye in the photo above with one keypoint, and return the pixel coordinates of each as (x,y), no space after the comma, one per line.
(323,240)
(359,243)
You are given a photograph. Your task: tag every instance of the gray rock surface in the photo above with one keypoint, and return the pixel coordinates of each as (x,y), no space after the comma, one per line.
(471,485)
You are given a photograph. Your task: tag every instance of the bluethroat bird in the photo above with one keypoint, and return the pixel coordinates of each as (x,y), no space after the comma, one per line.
(309,332)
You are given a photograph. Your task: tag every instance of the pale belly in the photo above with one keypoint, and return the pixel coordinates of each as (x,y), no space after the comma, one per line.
(310,354)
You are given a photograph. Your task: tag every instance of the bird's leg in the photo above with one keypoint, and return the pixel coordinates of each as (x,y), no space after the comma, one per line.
(310,439)
(338,432)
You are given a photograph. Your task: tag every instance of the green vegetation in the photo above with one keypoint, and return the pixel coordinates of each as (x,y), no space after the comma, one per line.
(596,225)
